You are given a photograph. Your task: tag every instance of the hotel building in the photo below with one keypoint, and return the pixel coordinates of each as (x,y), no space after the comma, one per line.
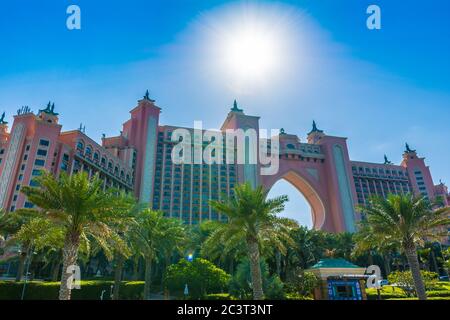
(139,160)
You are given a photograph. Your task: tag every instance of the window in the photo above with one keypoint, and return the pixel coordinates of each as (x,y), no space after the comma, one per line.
(44,143)
(42,152)
(36,172)
(2,151)
(88,152)
(80,145)
(39,162)
(28,205)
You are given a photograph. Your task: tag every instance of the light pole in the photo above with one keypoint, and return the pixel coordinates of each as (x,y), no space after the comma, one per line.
(30,253)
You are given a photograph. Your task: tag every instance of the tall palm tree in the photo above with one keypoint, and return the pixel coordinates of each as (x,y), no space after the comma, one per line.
(84,211)
(123,225)
(367,242)
(252,219)
(10,224)
(153,234)
(408,220)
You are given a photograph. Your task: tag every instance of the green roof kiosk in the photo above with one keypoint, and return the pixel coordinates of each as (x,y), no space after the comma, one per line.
(339,280)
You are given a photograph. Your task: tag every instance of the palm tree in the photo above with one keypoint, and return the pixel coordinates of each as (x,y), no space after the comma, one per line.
(82,209)
(10,224)
(407,220)
(367,242)
(153,234)
(123,225)
(252,220)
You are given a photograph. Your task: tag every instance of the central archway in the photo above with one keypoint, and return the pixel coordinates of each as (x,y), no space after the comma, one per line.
(318,211)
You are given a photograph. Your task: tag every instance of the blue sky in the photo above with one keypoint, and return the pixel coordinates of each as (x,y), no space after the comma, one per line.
(378,88)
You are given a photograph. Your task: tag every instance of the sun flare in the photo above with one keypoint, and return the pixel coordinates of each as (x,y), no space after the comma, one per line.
(250,53)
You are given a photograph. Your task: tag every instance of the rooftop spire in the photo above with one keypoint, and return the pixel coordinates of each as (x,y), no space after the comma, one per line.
(282,131)
(235,107)
(386,161)
(408,149)
(50,109)
(147,96)
(314,128)
(2,119)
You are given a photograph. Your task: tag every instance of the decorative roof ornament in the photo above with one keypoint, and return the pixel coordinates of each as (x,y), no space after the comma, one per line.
(23,110)
(50,109)
(147,96)
(314,128)
(282,131)
(408,149)
(235,107)
(2,119)
(386,161)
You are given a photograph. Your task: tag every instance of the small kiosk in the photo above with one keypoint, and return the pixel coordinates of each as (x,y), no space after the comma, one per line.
(339,280)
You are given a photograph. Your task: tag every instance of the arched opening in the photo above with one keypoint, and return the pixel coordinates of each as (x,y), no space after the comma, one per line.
(297,208)
(306,191)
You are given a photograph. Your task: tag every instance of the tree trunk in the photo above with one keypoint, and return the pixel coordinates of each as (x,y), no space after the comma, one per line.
(55,270)
(21,266)
(387,265)
(435,265)
(411,256)
(278,262)
(148,278)
(370,258)
(231,266)
(255,269)
(118,276)
(70,255)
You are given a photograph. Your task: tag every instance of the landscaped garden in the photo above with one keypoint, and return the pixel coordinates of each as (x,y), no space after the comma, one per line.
(127,251)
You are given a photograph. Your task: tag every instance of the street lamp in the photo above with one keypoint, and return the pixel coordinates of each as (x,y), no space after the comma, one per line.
(29,257)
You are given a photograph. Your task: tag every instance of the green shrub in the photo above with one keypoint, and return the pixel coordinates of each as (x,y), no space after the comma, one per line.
(240,287)
(404,280)
(275,288)
(133,290)
(201,276)
(219,296)
(90,290)
(297,296)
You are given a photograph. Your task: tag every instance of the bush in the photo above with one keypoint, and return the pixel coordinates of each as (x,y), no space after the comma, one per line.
(201,276)
(404,281)
(240,287)
(90,290)
(219,296)
(297,296)
(303,283)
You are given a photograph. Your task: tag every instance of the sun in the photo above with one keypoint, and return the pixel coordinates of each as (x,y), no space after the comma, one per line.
(250,53)
(249,48)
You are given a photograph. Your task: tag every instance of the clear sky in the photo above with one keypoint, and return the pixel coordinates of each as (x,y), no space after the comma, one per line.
(379,88)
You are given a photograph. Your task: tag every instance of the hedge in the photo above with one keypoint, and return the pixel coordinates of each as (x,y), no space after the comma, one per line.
(219,296)
(90,290)
(387,294)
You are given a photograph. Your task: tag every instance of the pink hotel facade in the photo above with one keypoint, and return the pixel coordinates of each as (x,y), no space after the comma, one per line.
(139,160)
